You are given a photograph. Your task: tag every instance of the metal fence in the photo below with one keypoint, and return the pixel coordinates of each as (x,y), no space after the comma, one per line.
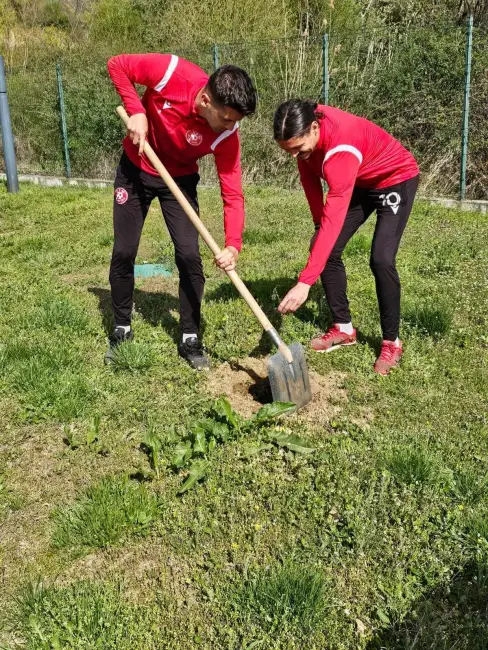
(414,83)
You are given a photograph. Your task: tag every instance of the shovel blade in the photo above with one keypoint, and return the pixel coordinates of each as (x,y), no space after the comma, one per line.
(290,382)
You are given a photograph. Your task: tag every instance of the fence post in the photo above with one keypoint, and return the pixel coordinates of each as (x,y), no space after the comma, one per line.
(215,56)
(7,136)
(64,128)
(467,88)
(325,68)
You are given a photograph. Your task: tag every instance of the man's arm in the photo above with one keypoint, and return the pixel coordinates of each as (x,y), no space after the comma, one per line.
(228,162)
(148,70)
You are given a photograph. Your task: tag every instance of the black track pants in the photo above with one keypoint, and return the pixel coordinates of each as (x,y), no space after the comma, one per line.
(393,206)
(134,191)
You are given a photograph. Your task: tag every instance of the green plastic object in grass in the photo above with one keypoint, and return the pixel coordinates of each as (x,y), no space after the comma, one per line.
(150,270)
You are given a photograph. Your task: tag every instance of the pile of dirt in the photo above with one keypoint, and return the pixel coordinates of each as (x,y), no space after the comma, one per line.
(245,383)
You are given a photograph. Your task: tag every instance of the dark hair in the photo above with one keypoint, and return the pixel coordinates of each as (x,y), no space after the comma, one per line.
(231,86)
(294,118)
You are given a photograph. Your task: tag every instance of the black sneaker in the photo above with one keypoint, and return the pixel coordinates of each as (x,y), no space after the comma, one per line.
(118,336)
(192,350)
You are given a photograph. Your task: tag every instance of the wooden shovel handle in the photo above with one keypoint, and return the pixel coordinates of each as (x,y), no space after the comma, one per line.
(210,241)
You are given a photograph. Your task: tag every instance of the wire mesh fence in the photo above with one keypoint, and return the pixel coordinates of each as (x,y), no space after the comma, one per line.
(477,168)
(34,111)
(411,82)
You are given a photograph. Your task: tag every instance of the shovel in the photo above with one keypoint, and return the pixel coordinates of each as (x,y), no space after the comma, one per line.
(288,373)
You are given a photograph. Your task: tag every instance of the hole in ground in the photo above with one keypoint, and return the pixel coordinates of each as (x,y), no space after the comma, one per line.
(260,388)
(246,385)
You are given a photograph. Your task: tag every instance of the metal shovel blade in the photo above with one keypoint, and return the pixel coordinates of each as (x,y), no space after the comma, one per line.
(290,381)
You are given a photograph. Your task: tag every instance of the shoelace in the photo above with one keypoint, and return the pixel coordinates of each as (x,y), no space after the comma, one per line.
(194,344)
(387,351)
(333,331)
(120,334)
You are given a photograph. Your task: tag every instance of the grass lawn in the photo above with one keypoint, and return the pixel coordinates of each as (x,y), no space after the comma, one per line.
(360,522)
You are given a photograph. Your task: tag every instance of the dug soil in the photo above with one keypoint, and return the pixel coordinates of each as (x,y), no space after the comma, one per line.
(246,385)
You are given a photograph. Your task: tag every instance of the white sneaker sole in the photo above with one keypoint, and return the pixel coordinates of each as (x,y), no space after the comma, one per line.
(335,347)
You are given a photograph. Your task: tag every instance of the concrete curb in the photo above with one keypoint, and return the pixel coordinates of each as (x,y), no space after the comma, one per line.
(465,206)
(54,181)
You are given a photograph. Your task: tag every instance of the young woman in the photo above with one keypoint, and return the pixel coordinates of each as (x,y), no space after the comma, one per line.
(366,170)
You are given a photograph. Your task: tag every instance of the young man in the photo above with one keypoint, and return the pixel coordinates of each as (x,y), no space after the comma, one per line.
(184,115)
(366,169)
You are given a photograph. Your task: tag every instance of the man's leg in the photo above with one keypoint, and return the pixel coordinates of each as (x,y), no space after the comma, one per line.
(131,204)
(190,268)
(394,205)
(334,278)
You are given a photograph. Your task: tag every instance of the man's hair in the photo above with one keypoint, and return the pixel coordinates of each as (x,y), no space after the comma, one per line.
(231,86)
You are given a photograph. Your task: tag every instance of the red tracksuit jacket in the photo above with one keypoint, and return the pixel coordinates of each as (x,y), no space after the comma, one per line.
(352,151)
(177,133)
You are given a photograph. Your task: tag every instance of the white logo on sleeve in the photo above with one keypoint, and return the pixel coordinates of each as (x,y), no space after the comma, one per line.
(393,199)
(166,105)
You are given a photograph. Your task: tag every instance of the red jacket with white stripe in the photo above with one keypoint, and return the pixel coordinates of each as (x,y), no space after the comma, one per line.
(351,151)
(176,132)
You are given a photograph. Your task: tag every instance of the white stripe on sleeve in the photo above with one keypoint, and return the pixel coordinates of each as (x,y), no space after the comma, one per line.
(343,147)
(223,135)
(167,75)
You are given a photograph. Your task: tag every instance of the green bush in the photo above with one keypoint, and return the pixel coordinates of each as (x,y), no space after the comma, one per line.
(407,75)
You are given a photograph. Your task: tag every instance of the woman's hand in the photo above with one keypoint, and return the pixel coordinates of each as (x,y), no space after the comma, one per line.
(137,130)
(294,298)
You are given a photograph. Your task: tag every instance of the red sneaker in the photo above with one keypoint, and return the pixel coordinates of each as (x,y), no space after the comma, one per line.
(389,358)
(332,340)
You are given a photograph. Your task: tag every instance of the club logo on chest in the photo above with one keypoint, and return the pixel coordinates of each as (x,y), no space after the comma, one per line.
(194,137)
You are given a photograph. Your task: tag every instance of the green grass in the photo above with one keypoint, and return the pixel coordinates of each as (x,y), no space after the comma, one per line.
(468,486)
(429,320)
(53,311)
(46,375)
(133,356)
(477,529)
(85,615)
(287,597)
(450,617)
(109,511)
(368,542)
(411,465)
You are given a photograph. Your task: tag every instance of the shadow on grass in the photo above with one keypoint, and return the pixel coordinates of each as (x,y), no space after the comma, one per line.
(268,292)
(373,342)
(155,308)
(453,617)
